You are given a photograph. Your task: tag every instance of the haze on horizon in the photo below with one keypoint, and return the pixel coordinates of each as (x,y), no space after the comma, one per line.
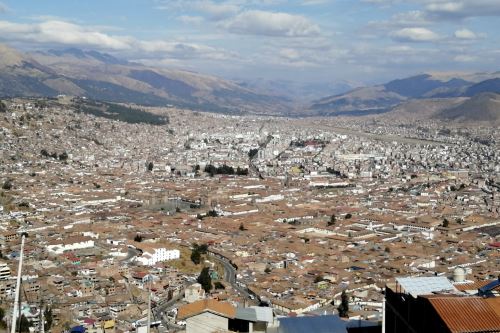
(301,40)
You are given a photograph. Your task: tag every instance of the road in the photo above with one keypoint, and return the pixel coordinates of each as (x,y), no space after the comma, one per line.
(161,308)
(230,275)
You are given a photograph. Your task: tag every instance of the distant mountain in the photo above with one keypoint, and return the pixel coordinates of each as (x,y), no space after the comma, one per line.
(484,107)
(102,76)
(492,85)
(427,88)
(298,91)
(360,101)
(421,85)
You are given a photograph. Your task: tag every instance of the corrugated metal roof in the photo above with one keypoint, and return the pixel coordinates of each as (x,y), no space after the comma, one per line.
(255,314)
(472,285)
(319,324)
(466,314)
(425,285)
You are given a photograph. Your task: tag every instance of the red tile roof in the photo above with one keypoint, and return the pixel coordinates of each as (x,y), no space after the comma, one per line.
(467,314)
(221,308)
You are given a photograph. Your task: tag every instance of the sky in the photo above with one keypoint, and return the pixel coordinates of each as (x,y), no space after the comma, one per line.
(355,41)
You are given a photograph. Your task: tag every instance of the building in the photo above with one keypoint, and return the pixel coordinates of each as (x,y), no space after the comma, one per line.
(433,304)
(153,254)
(213,316)
(194,293)
(207,316)
(59,246)
(4,271)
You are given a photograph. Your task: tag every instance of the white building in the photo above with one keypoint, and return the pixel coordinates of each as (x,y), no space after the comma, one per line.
(152,254)
(59,246)
(4,271)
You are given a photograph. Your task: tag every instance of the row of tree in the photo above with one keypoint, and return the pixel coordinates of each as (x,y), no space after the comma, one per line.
(225,170)
(62,156)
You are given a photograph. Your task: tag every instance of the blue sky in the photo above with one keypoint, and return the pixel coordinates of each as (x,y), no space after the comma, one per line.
(360,41)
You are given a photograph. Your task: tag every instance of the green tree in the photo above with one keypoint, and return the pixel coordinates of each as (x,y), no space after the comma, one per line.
(446,223)
(2,317)
(47,314)
(3,107)
(333,218)
(138,238)
(343,308)
(24,325)
(205,280)
(7,185)
(195,256)
(203,248)
(348,216)
(63,156)
(242,227)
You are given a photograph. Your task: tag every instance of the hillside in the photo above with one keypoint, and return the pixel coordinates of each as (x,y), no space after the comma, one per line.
(484,107)
(419,96)
(104,77)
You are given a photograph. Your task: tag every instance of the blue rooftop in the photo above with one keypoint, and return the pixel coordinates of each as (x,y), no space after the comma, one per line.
(317,324)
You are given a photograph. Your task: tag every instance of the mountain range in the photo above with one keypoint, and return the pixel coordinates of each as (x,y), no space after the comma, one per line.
(456,97)
(103,77)
(453,97)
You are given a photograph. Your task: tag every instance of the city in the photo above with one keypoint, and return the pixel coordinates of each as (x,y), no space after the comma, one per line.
(285,213)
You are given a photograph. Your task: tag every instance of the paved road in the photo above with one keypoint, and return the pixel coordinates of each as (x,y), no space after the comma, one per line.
(230,276)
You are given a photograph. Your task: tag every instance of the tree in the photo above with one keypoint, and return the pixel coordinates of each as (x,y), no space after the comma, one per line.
(24,325)
(138,238)
(348,216)
(3,107)
(242,227)
(47,314)
(7,185)
(2,317)
(195,254)
(332,220)
(446,223)
(203,248)
(344,305)
(205,280)
(212,213)
(63,156)
(252,153)
(150,166)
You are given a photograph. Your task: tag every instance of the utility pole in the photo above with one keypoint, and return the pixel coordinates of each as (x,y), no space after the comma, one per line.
(149,307)
(42,324)
(15,311)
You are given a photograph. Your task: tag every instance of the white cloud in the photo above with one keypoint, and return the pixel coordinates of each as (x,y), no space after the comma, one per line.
(257,22)
(462,8)
(216,11)
(465,34)
(180,50)
(415,35)
(314,2)
(69,34)
(60,32)
(194,20)
(465,58)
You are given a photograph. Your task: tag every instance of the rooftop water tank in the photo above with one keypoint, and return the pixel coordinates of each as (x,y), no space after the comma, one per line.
(459,274)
